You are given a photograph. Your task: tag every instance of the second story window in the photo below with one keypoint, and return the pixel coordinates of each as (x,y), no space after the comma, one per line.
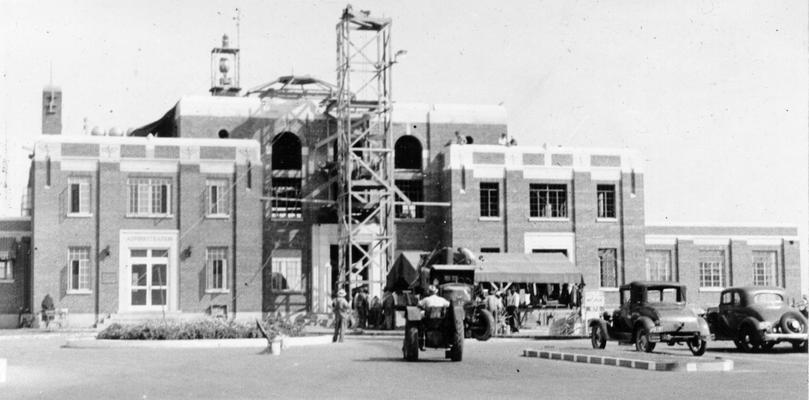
(149,197)
(414,190)
(606,201)
(78,196)
(216,194)
(547,201)
(489,199)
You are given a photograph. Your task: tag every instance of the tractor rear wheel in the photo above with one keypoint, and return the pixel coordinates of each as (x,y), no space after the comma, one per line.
(484,328)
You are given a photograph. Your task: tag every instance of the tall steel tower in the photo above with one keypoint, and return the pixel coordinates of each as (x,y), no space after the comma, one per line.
(366,192)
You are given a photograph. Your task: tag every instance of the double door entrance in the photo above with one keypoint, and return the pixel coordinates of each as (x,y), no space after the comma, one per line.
(148,269)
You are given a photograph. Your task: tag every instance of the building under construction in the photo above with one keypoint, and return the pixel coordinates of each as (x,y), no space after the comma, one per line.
(353,179)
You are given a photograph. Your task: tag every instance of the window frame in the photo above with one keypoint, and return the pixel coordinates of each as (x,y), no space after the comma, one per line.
(601,263)
(222,201)
(84,192)
(535,207)
(212,255)
(416,212)
(283,263)
(669,266)
(601,188)
(150,183)
(6,270)
(489,199)
(704,261)
(74,254)
(290,208)
(773,268)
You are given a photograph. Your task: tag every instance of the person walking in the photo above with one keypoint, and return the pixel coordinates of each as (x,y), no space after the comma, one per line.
(361,307)
(494,305)
(512,302)
(341,309)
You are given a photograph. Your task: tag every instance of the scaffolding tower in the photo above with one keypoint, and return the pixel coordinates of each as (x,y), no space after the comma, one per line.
(366,191)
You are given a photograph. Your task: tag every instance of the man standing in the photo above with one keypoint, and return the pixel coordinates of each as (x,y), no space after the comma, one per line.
(512,301)
(361,306)
(341,309)
(494,305)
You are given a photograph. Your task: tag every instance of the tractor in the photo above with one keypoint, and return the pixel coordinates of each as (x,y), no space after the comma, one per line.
(453,273)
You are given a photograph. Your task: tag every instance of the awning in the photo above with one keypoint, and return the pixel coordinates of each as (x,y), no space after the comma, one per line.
(526,268)
(404,272)
(8,248)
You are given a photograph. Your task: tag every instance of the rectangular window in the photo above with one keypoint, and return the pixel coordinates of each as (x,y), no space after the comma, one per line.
(489,199)
(6,270)
(608,261)
(286,273)
(414,190)
(606,201)
(217,274)
(712,268)
(78,274)
(285,203)
(217,197)
(765,268)
(78,196)
(547,201)
(658,265)
(149,196)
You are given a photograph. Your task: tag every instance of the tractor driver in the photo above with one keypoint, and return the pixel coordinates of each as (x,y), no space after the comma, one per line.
(433,300)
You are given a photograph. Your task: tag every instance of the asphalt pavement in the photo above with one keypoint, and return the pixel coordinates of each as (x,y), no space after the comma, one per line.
(372,367)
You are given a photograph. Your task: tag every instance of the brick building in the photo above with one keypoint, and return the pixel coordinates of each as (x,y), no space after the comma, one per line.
(134,227)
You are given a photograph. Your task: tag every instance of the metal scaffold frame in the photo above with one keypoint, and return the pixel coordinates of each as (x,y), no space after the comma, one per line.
(366,191)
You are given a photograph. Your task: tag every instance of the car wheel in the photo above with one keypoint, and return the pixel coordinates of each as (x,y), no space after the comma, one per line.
(485,326)
(799,346)
(792,322)
(767,346)
(642,342)
(697,346)
(598,337)
(738,344)
(749,339)
(411,343)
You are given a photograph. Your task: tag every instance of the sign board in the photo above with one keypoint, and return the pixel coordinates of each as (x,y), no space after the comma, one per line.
(592,304)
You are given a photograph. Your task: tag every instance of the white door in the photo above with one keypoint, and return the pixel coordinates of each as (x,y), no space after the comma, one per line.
(148,269)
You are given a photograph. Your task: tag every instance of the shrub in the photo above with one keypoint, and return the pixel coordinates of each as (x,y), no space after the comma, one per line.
(183,330)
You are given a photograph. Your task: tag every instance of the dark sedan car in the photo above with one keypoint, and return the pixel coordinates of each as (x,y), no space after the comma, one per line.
(757,318)
(651,313)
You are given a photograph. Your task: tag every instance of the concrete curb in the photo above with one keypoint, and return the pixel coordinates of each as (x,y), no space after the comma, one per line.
(716,365)
(3,368)
(287,342)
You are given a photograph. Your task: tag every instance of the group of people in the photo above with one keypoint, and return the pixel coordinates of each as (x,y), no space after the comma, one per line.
(506,141)
(497,302)
(361,313)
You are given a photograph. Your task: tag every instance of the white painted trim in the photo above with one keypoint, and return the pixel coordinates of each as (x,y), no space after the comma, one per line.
(129,238)
(551,240)
(709,240)
(488,171)
(216,167)
(710,289)
(608,174)
(164,166)
(79,164)
(555,173)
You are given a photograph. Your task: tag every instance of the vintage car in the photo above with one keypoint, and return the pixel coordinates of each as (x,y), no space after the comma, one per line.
(757,318)
(651,313)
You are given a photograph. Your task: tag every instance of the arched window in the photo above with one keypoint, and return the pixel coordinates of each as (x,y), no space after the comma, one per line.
(286,152)
(286,177)
(407,153)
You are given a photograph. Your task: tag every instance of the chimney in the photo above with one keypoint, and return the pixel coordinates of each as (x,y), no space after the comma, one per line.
(51,110)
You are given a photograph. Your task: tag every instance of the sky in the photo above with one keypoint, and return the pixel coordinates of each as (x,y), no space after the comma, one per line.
(713,94)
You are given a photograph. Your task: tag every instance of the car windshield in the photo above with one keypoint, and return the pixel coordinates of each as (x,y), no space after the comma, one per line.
(768,298)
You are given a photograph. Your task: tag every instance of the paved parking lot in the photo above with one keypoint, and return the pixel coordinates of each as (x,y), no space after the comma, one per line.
(372,368)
